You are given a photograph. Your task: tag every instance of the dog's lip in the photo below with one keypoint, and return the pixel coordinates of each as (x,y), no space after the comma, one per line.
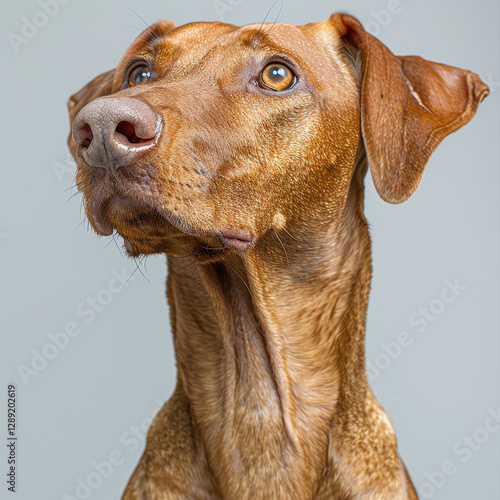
(129,246)
(121,202)
(236,239)
(102,224)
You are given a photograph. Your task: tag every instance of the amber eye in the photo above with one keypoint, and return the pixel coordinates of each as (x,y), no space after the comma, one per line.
(277,76)
(139,74)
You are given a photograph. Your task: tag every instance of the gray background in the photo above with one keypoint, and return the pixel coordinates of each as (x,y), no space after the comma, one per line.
(92,398)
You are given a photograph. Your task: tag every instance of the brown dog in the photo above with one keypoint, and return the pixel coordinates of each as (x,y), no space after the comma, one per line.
(241,153)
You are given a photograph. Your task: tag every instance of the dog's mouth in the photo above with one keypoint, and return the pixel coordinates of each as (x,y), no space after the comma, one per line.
(147,227)
(131,203)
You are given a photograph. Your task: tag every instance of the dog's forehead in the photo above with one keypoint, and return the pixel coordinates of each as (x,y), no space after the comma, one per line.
(309,45)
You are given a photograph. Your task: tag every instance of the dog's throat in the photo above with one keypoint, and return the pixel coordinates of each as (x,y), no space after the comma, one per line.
(260,366)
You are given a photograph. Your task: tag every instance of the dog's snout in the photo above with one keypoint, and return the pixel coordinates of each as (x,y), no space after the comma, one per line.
(113,132)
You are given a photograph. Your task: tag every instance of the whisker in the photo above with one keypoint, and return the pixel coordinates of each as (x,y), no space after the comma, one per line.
(72,196)
(134,27)
(147,25)
(139,268)
(184,267)
(268,12)
(67,158)
(284,250)
(236,272)
(220,175)
(116,244)
(278,15)
(83,220)
(73,186)
(109,243)
(289,234)
(135,270)
(204,170)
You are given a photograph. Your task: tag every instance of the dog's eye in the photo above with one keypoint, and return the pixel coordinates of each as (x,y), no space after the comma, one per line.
(278,77)
(139,74)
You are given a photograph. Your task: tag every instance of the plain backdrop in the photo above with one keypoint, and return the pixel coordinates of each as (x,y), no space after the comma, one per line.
(83,412)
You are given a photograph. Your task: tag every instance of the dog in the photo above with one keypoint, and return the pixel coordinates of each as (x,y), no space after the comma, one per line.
(240,153)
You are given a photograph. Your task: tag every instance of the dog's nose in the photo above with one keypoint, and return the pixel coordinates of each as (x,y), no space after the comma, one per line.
(113,132)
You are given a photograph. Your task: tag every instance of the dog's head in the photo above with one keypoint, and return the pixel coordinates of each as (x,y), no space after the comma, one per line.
(208,136)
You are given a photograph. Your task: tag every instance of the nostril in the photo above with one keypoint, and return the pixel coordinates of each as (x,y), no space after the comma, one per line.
(126,131)
(85,136)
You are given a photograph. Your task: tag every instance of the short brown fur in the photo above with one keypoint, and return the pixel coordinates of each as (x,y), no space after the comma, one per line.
(272,398)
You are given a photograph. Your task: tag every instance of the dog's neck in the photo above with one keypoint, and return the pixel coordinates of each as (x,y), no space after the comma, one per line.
(268,365)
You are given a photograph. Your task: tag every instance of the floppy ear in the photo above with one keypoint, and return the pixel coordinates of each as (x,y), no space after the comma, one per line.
(408,106)
(102,85)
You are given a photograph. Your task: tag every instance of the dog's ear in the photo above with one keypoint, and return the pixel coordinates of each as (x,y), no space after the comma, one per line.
(108,83)
(408,106)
